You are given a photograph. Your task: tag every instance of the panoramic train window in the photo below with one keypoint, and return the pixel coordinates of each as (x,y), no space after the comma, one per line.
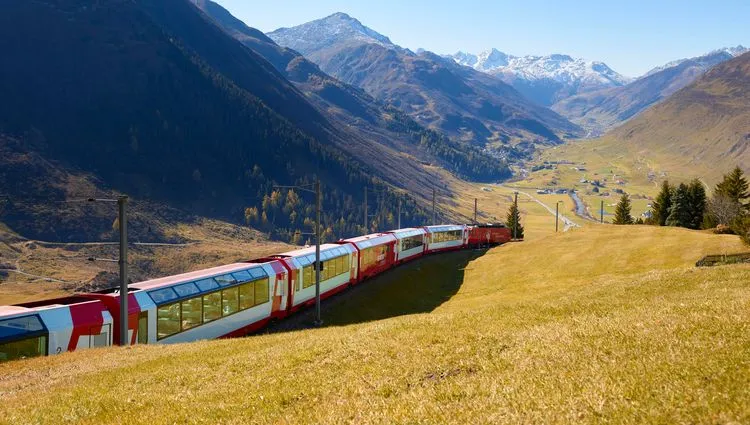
(211,306)
(411,242)
(261,291)
(331,268)
(449,236)
(247,296)
(230,301)
(24,348)
(374,255)
(167,320)
(192,313)
(188,313)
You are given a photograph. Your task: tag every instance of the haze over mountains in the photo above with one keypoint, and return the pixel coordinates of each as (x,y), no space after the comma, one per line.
(461,102)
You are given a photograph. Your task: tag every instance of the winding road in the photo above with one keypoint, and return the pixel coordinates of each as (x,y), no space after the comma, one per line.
(568,223)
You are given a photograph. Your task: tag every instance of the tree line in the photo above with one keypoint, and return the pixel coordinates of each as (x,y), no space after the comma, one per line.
(687,205)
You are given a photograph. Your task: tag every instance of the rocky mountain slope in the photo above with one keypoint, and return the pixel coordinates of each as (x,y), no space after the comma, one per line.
(544,79)
(604,109)
(462,102)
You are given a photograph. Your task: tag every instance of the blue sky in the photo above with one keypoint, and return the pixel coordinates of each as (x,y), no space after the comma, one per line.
(630,36)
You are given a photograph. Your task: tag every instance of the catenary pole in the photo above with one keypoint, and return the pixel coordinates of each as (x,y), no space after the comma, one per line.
(122,203)
(365,216)
(399,213)
(601,212)
(475,210)
(433,206)
(318,320)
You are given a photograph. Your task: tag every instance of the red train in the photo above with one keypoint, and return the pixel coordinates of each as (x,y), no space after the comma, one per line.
(226,301)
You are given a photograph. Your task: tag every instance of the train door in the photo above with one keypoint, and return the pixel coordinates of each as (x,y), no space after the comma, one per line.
(143,327)
(100,337)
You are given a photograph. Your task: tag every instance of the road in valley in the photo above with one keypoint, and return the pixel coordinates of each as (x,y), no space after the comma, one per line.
(567,223)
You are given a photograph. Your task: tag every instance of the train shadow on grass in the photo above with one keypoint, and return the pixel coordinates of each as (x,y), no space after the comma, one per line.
(416,287)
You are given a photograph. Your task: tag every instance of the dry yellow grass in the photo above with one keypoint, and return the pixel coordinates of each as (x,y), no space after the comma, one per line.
(602,325)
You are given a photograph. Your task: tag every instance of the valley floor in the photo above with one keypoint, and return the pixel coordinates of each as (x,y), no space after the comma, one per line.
(599,324)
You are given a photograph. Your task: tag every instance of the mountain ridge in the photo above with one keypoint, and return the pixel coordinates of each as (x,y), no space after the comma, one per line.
(465,104)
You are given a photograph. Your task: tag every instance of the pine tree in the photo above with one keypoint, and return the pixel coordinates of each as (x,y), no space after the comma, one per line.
(514,221)
(735,187)
(663,203)
(622,211)
(697,204)
(679,213)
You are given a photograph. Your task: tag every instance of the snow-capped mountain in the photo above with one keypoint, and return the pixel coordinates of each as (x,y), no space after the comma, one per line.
(327,32)
(461,102)
(544,79)
(709,59)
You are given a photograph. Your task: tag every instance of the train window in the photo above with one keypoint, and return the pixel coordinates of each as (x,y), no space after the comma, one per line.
(187,289)
(167,320)
(411,242)
(247,296)
(192,313)
(308,278)
(211,306)
(20,325)
(163,295)
(24,348)
(258,272)
(261,291)
(242,276)
(143,327)
(230,301)
(206,285)
(225,280)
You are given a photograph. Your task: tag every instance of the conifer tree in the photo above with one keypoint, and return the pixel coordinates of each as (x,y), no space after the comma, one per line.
(735,187)
(679,213)
(663,203)
(622,211)
(697,202)
(514,221)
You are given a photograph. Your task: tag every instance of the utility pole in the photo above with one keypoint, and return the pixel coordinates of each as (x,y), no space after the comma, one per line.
(557,215)
(122,202)
(399,213)
(365,222)
(433,205)
(318,320)
(475,210)
(601,212)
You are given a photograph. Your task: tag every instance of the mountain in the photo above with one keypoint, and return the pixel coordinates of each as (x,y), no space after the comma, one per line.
(704,127)
(152,99)
(385,138)
(604,109)
(544,79)
(438,93)
(708,59)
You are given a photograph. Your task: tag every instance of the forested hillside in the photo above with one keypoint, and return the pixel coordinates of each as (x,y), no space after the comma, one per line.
(110,89)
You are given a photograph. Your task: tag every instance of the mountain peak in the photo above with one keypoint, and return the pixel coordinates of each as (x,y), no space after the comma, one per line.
(333,29)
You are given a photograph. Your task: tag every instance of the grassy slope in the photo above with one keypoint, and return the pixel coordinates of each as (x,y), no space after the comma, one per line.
(603,324)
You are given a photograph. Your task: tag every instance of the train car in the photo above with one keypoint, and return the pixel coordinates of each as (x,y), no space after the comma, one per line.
(488,234)
(377,253)
(220,302)
(411,243)
(446,237)
(339,269)
(53,327)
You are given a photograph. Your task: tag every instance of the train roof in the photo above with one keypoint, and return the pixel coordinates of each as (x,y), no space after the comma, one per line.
(408,232)
(371,240)
(196,275)
(445,228)
(306,256)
